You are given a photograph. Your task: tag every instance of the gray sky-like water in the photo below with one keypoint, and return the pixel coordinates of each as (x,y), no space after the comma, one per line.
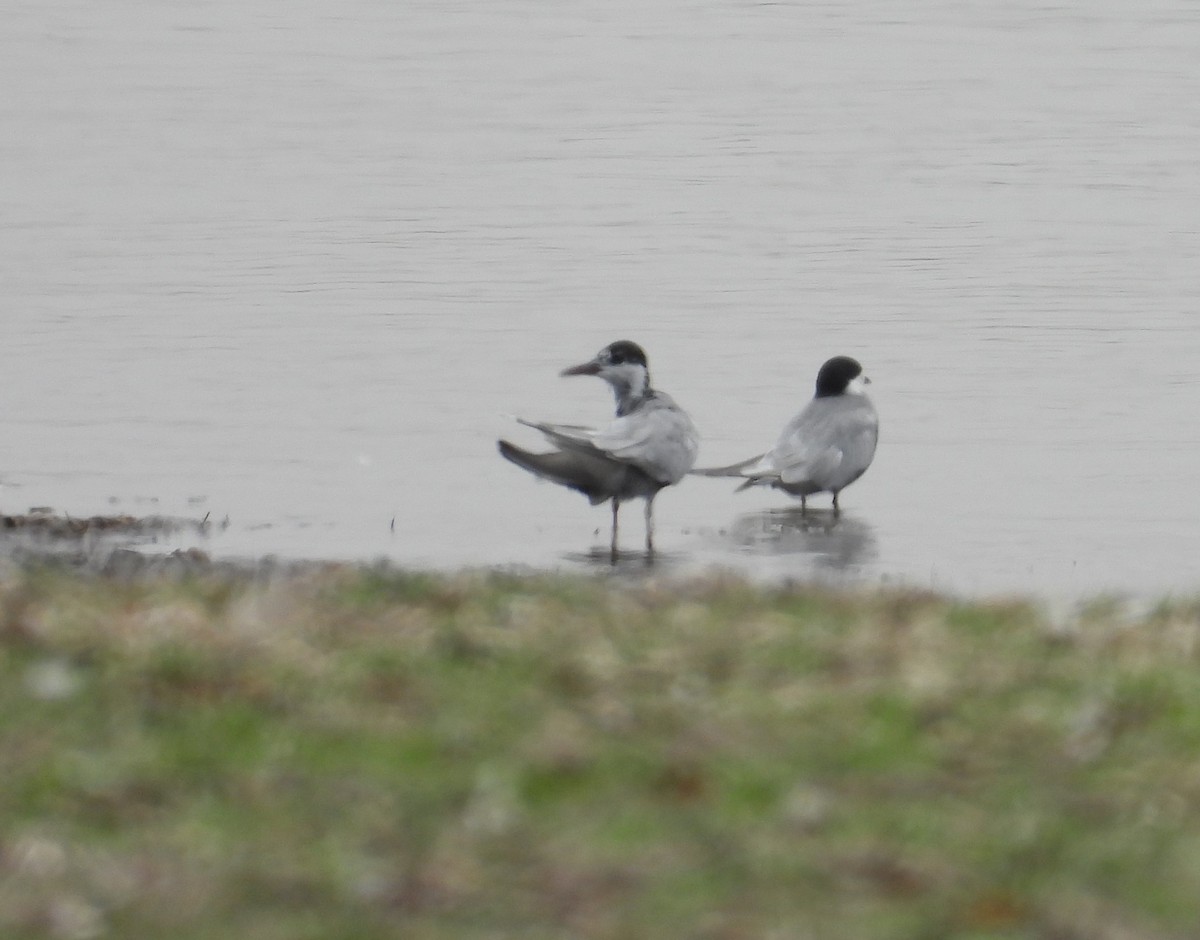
(295,267)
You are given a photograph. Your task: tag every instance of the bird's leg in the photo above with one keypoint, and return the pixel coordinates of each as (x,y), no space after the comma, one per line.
(837,510)
(803,505)
(650,526)
(613,549)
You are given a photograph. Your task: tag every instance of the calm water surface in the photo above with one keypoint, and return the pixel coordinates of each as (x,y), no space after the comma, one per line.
(296,267)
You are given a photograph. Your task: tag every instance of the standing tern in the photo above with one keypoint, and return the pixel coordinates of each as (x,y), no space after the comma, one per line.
(652,443)
(826,447)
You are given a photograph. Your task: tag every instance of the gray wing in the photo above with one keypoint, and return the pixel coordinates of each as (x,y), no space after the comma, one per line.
(595,475)
(570,437)
(659,439)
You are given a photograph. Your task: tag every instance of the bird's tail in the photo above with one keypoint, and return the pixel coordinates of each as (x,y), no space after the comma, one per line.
(733,470)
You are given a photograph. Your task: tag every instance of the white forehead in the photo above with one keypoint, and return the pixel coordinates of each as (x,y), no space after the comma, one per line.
(858,386)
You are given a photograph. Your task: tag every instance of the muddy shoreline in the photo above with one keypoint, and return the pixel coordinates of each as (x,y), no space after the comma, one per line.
(126,546)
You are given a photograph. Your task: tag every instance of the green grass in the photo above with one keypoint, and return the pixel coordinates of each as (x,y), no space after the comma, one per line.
(364,753)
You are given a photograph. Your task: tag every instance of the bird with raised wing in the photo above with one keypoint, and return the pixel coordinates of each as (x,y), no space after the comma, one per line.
(651,443)
(825,448)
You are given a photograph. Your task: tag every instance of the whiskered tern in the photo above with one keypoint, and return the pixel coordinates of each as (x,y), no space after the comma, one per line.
(825,448)
(651,444)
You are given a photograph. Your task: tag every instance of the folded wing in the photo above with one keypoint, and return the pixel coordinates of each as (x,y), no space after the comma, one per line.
(827,445)
(659,440)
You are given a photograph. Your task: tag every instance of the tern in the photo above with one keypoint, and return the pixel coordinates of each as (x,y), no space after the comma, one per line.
(825,448)
(651,444)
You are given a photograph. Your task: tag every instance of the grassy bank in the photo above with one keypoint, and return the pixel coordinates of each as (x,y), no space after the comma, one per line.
(360,754)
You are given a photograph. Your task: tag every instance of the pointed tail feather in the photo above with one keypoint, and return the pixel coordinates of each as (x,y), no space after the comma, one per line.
(733,470)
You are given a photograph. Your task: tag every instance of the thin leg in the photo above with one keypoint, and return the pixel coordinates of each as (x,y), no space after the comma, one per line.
(803,505)
(616,509)
(650,526)
(837,510)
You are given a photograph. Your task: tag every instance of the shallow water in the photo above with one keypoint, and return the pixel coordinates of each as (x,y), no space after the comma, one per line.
(294,268)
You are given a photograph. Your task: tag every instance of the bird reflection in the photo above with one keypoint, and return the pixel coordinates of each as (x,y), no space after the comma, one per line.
(628,562)
(838,543)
